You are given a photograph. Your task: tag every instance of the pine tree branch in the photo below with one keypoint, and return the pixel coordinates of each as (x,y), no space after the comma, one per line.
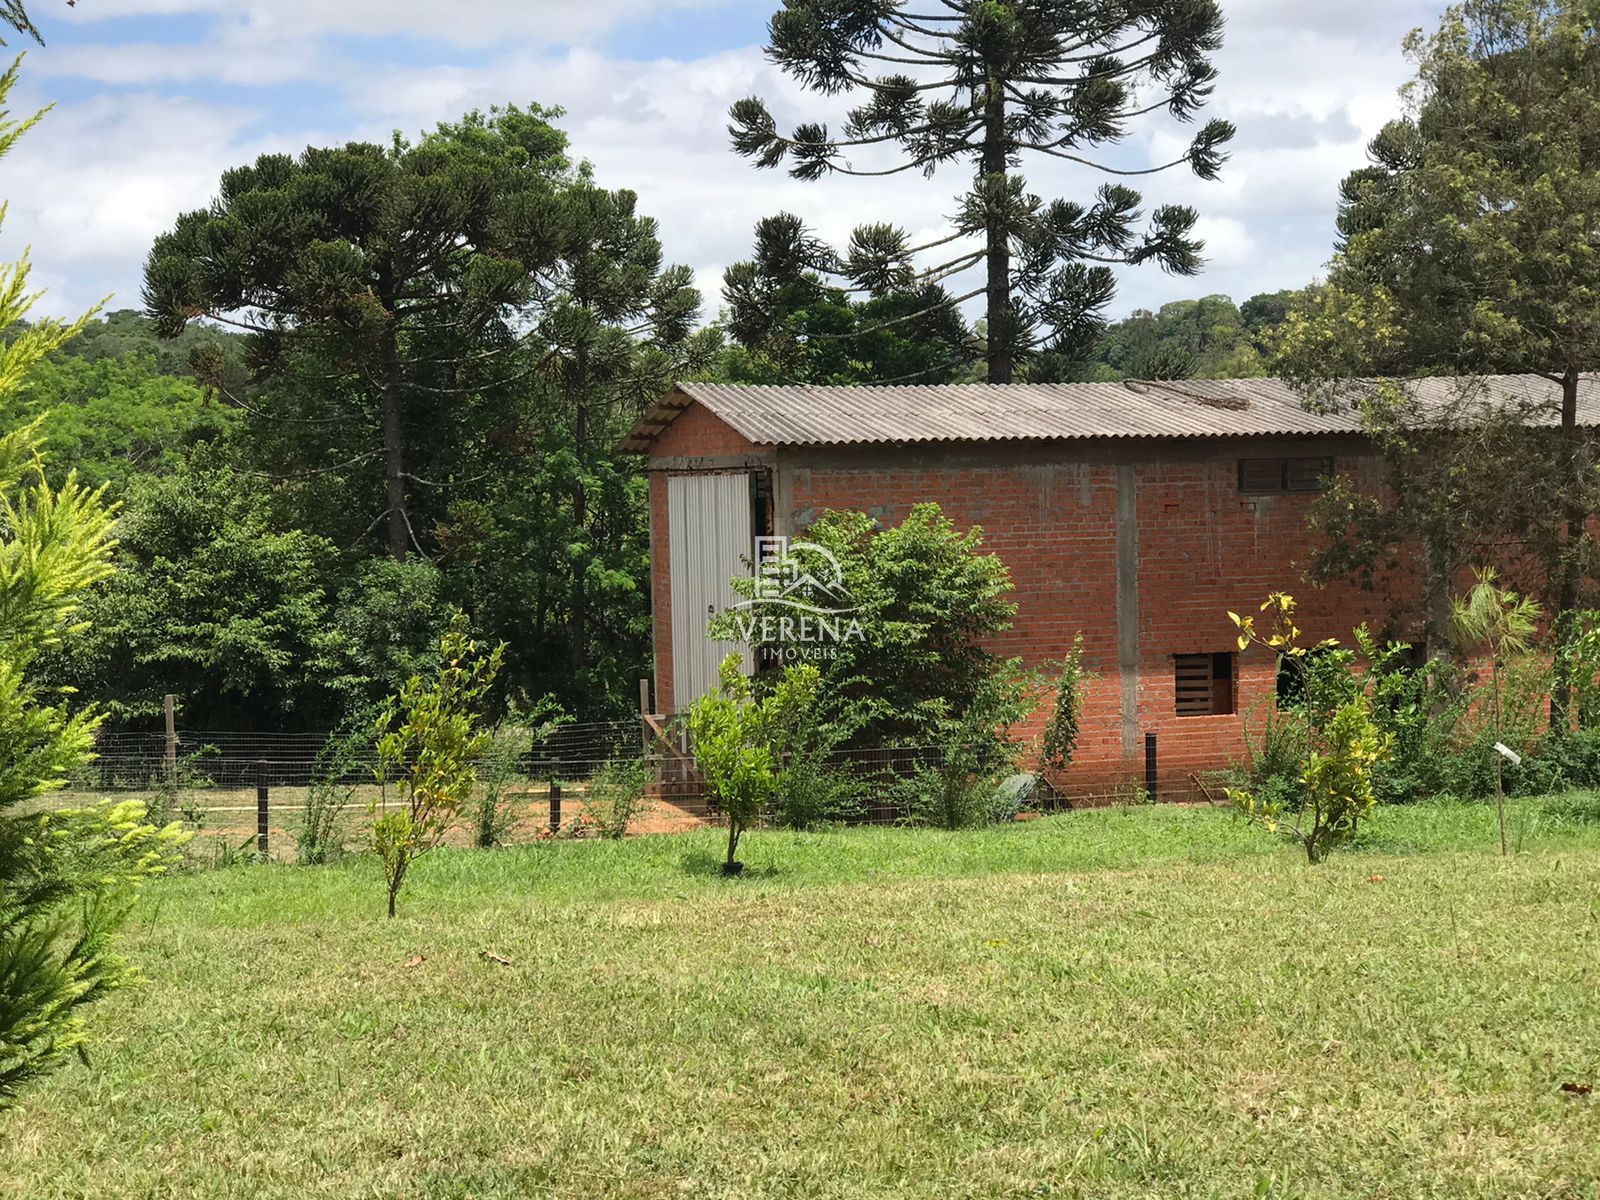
(266,416)
(1101,167)
(1067,81)
(954,267)
(944,241)
(930,56)
(315,472)
(948,302)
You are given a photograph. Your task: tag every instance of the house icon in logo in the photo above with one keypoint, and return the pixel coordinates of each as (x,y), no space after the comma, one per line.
(799,575)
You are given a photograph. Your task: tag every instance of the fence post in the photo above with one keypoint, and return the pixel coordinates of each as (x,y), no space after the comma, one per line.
(555,807)
(262,808)
(170,705)
(1152,778)
(644,712)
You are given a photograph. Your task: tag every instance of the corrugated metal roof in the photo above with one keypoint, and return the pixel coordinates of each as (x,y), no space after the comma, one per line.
(832,416)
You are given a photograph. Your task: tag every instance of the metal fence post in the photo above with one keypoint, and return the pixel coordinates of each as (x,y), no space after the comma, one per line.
(169,705)
(1152,778)
(555,807)
(262,809)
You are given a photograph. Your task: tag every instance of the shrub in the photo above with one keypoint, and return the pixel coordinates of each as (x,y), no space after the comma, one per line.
(1328,730)
(739,741)
(507,748)
(616,796)
(319,836)
(1420,708)
(956,791)
(958,783)
(1503,623)
(821,782)
(927,599)
(1066,712)
(428,741)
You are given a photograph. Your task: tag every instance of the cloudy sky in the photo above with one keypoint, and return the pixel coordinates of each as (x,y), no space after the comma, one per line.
(155,98)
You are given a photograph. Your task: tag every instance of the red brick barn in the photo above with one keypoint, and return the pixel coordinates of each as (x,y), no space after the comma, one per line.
(1137,513)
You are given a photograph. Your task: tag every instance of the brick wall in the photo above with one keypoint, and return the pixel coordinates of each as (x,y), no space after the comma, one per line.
(1051,515)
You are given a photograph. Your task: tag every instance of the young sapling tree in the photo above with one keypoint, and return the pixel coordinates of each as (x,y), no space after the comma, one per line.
(739,741)
(429,738)
(1502,623)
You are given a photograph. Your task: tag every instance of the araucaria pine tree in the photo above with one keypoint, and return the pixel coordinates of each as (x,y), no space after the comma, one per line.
(988,83)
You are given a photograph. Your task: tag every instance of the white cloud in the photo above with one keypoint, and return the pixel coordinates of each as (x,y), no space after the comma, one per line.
(471,23)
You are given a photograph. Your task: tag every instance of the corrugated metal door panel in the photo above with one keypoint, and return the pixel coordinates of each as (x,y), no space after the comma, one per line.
(709,542)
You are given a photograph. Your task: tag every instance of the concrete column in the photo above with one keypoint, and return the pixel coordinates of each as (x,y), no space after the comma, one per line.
(1128,605)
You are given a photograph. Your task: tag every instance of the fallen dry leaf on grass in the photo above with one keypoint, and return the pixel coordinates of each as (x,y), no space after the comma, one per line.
(499,958)
(1577,1089)
(1375,879)
(416,960)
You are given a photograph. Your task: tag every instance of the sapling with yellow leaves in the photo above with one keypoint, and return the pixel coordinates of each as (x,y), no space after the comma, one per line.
(1343,745)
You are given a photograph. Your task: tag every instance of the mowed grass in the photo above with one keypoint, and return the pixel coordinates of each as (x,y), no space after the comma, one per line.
(1124,1003)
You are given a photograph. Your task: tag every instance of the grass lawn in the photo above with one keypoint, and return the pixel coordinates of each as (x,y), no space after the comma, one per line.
(1123,1003)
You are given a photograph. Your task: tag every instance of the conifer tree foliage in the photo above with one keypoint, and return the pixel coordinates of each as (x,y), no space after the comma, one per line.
(792,325)
(986,84)
(402,298)
(15,15)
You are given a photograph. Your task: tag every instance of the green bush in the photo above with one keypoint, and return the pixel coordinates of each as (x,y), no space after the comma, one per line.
(927,598)
(616,796)
(1419,708)
(501,766)
(429,740)
(740,739)
(320,834)
(957,783)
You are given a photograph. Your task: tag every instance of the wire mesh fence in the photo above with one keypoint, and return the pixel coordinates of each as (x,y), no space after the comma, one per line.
(200,760)
(253,788)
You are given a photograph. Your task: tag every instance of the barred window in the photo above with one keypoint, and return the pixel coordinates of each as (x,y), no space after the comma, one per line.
(1264,476)
(1204,684)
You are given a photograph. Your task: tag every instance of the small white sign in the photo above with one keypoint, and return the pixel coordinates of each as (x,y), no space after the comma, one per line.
(1508,753)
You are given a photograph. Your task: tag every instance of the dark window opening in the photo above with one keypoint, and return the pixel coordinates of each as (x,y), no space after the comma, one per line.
(1265,476)
(1292,671)
(1204,684)
(761,504)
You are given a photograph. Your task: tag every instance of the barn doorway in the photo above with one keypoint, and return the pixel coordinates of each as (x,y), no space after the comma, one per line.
(710,539)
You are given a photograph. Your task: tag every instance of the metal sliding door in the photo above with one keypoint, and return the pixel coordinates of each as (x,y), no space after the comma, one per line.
(709,542)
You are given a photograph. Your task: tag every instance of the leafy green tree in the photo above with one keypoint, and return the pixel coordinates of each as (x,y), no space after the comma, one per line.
(987,83)
(792,326)
(1187,339)
(212,602)
(448,338)
(430,737)
(739,738)
(1264,312)
(114,419)
(1342,747)
(926,598)
(387,620)
(212,357)
(383,287)
(1466,248)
